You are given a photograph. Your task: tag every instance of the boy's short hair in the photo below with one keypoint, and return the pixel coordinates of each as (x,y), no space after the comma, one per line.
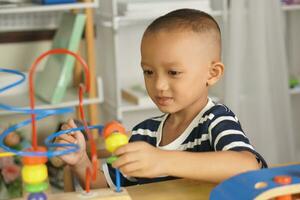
(186,19)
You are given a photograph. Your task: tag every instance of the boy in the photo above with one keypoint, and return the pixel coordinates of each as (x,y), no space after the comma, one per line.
(195,138)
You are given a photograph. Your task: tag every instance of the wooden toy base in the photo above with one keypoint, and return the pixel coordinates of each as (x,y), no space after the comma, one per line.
(99,194)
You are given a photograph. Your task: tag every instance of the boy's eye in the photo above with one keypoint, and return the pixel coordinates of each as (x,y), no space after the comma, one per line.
(174,73)
(148,72)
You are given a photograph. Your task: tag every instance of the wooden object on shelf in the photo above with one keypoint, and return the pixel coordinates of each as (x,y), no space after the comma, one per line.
(51,83)
(136,94)
(77,73)
(90,40)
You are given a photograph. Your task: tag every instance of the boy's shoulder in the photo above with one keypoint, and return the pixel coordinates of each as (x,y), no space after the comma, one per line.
(217,110)
(151,124)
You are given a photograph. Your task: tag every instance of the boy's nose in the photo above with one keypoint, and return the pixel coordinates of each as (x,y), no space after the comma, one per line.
(161,84)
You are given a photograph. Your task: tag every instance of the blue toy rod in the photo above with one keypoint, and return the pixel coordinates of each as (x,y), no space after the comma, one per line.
(118,181)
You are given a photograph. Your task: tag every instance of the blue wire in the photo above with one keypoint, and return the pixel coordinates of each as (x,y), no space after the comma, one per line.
(40,114)
(10,71)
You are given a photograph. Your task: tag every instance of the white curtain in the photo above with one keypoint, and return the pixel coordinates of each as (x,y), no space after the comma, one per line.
(256,77)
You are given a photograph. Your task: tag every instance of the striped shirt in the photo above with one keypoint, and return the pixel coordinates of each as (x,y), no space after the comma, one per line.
(215,128)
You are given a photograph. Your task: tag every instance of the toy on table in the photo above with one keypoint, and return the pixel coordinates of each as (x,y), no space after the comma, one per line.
(34,171)
(115,136)
(279,183)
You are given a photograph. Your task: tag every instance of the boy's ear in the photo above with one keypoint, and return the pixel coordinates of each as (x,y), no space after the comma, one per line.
(216,70)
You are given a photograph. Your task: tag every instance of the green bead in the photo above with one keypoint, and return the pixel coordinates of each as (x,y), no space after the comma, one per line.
(34,188)
(111,159)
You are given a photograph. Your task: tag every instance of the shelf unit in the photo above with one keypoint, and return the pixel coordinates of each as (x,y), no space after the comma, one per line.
(120,64)
(30,16)
(71,98)
(291,15)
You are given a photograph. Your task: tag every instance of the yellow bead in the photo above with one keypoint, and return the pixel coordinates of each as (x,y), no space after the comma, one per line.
(33,174)
(115,140)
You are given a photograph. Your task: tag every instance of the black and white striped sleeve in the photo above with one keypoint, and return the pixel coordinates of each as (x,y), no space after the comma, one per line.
(226,133)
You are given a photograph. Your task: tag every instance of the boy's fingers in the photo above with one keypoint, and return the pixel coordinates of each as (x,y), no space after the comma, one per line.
(130,168)
(66,137)
(66,126)
(125,159)
(63,148)
(80,138)
(130,147)
(137,173)
(72,123)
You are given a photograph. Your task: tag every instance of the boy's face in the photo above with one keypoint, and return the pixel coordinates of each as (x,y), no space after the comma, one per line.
(176,69)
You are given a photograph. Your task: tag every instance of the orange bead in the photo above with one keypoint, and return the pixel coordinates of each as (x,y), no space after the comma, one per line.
(112,127)
(282,179)
(35,160)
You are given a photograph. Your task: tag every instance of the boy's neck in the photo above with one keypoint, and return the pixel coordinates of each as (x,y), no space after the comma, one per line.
(186,115)
(176,123)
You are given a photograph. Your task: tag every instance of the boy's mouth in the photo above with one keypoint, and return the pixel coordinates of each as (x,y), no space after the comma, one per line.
(163,101)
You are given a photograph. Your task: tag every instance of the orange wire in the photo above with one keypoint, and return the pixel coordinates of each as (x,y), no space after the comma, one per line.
(89,172)
(82,89)
(31,85)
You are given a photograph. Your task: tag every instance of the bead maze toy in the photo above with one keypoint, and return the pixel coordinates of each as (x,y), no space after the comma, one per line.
(34,171)
(279,183)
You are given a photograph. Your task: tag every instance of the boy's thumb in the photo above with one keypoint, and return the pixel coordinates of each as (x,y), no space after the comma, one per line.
(72,123)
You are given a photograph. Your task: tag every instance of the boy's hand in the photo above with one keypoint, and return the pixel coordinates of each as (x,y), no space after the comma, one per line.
(76,138)
(139,159)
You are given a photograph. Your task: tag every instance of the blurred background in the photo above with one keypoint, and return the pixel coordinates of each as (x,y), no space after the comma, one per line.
(260,51)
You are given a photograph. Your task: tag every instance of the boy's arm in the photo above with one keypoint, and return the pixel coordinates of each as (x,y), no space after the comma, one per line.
(80,171)
(208,166)
(140,159)
(79,160)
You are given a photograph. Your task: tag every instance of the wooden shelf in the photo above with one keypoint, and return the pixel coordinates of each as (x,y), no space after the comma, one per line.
(291,7)
(25,8)
(295,90)
(150,16)
(107,20)
(70,100)
(128,107)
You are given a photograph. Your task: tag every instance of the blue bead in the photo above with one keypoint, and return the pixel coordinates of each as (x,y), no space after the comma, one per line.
(37,196)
